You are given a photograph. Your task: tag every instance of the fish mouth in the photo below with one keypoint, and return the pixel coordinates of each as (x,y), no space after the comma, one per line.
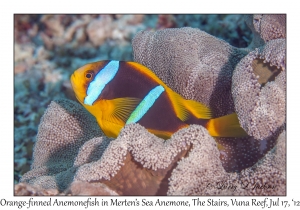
(74,87)
(73,81)
(73,78)
(80,94)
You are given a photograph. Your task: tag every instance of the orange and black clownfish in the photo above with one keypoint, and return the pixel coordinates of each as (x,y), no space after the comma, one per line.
(119,93)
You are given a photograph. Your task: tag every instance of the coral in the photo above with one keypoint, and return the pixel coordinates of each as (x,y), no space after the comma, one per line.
(99,29)
(201,167)
(268,174)
(25,27)
(34,89)
(259,89)
(270,26)
(136,163)
(105,27)
(76,188)
(193,63)
(166,21)
(29,190)
(61,133)
(265,28)
(85,156)
(88,189)
(237,154)
(266,177)
(231,28)
(23,57)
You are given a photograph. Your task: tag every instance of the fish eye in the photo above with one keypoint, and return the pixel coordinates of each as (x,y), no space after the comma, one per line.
(89,74)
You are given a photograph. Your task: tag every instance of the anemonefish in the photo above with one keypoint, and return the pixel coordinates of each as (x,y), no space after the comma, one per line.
(119,93)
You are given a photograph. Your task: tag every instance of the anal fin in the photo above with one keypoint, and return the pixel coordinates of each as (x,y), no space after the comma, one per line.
(161,134)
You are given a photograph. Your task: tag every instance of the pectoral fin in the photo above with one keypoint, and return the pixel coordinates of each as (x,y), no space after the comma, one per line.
(117,111)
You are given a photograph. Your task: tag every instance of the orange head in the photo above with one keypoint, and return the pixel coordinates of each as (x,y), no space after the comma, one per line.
(82,77)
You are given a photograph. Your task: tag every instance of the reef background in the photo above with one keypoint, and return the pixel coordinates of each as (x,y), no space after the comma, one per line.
(48,48)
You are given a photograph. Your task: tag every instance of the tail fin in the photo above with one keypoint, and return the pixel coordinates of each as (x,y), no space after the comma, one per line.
(226,126)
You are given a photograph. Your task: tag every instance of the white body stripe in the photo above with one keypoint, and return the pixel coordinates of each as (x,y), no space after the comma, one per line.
(145,104)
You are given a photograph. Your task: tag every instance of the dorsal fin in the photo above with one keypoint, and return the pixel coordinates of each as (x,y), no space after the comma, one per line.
(183,108)
(148,72)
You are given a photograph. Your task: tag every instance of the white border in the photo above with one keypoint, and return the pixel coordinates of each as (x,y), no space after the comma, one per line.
(152,6)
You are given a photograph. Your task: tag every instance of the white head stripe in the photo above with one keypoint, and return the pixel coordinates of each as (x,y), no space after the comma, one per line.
(101,79)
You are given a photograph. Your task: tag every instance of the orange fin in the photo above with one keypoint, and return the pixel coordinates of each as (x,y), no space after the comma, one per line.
(110,129)
(198,109)
(161,134)
(119,109)
(226,126)
(141,68)
(164,134)
(184,108)
(114,114)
